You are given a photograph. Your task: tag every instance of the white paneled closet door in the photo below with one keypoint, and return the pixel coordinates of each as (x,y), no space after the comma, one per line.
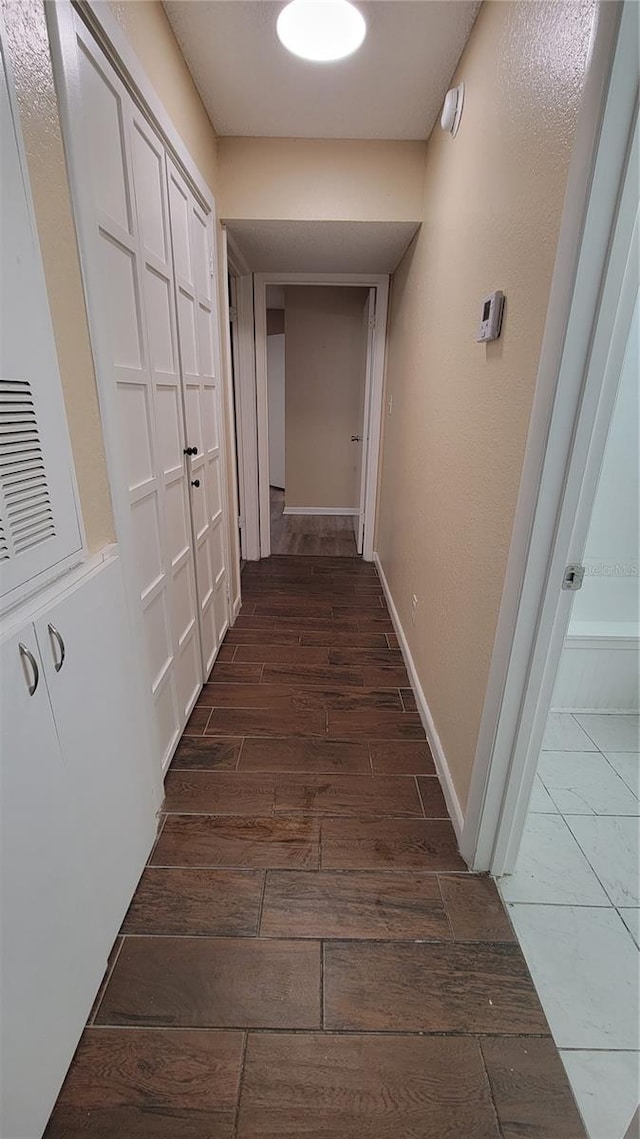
(150,189)
(132,271)
(194,268)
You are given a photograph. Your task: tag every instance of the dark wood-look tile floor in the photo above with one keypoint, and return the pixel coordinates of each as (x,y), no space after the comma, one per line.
(306,953)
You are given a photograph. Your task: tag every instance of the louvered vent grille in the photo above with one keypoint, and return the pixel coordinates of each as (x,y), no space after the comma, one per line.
(26,517)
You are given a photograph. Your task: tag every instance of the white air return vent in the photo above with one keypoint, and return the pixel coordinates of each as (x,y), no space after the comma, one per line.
(26,515)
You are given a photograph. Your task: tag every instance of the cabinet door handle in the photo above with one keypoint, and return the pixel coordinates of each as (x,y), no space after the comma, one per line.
(24,653)
(55,635)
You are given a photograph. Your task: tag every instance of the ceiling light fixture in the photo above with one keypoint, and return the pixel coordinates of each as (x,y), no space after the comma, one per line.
(321,30)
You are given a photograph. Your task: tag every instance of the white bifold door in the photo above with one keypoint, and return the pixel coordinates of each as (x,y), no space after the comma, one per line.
(148,259)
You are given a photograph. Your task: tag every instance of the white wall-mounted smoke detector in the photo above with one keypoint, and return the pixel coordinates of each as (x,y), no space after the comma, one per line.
(452,109)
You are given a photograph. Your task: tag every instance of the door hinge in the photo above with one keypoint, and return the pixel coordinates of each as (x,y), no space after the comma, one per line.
(573,576)
(241,521)
(372,322)
(233,314)
(212,267)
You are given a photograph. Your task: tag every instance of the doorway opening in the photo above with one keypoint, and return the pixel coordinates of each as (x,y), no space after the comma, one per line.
(319,359)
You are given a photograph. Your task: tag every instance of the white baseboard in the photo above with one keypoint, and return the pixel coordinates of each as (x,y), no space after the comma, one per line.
(321,510)
(439,758)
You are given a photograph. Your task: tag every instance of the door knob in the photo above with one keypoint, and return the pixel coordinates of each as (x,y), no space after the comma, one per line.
(195,482)
(191,450)
(356,438)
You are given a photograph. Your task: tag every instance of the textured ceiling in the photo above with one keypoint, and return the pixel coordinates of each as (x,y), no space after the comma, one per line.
(321,246)
(392,87)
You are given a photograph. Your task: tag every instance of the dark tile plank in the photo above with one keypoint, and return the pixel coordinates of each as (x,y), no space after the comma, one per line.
(237,636)
(197,722)
(173,1077)
(207,903)
(376,625)
(385,676)
(428,987)
(265,722)
(392,641)
(530,1090)
(295,608)
(364,795)
(345,640)
(302,625)
(325,1086)
(236,673)
(372,725)
(311,756)
(433,802)
(139,1123)
(218,793)
(353,699)
(475,909)
(204,840)
(401,757)
(355,656)
(312,674)
(247,695)
(358,905)
(389,844)
(200,752)
(408,700)
(283,654)
(226,651)
(198,982)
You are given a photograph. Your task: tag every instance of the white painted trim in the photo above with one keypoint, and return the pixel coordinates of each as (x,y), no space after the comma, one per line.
(328,510)
(433,739)
(231,468)
(244,363)
(379,282)
(534,611)
(238,266)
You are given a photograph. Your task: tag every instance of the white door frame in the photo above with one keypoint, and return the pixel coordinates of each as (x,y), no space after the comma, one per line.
(119,52)
(379,282)
(571,412)
(244,380)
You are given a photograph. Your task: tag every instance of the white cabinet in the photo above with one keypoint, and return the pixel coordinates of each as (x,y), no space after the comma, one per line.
(39,526)
(76,825)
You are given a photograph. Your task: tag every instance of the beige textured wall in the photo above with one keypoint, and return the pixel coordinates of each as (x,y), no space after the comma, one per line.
(320,179)
(28,49)
(325,344)
(151,37)
(453,446)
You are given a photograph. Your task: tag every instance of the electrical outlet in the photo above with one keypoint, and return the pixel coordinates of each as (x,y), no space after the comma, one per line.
(390,404)
(414,607)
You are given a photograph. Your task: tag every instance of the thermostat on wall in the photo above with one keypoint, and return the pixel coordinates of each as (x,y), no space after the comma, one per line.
(491,318)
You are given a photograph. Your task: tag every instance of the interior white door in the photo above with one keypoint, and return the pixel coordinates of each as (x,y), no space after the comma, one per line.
(368,330)
(39,526)
(51,957)
(150,189)
(192,240)
(124,179)
(85,642)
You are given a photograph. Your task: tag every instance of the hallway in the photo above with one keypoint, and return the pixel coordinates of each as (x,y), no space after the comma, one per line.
(305,953)
(318,535)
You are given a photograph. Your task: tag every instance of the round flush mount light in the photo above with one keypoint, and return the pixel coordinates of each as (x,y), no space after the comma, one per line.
(452,109)
(321,30)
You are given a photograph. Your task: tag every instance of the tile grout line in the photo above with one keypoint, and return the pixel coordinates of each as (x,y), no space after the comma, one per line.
(243,1059)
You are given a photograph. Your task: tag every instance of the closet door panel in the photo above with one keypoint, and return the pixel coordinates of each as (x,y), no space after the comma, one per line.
(150,194)
(118,277)
(193,261)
